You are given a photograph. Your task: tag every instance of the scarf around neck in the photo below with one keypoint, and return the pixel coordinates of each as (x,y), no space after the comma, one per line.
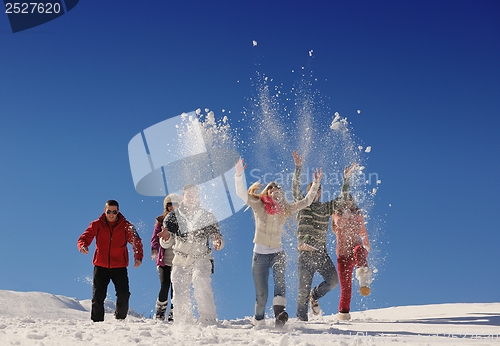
(271,206)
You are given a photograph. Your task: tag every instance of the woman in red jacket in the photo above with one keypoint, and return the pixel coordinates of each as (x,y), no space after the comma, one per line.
(112,233)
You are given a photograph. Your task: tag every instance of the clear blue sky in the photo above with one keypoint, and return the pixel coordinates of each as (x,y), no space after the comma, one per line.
(425,75)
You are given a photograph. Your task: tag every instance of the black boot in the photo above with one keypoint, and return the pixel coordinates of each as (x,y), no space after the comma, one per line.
(281,315)
(161,308)
(170,317)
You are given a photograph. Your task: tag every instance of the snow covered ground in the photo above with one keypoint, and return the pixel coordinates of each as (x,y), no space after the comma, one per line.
(37,318)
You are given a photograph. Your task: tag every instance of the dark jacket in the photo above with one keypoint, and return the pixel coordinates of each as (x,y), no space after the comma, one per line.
(111,243)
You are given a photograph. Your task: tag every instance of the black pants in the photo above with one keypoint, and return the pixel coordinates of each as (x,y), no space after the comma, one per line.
(102,276)
(165,283)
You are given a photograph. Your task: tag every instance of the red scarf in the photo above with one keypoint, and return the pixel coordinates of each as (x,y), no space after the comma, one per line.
(271,206)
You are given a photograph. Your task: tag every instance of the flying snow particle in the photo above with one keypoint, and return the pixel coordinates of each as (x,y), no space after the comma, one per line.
(390,205)
(254,43)
(360,147)
(368,149)
(210,117)
(379,181)
(311,52)
(336,122)
(359,112)
(198,111)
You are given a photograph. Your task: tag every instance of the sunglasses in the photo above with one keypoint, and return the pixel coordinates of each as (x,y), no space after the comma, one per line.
(111,212)
(170,204)
(274,186)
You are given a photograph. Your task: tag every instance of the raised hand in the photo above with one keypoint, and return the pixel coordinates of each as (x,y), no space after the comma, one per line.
(297,159)
(349,170)
(318,174)
(240,167)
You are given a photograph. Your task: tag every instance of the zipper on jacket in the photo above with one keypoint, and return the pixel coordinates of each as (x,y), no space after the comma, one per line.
(110,241)
(109,250)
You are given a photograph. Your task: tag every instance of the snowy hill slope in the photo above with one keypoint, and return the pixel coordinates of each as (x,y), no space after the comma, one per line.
(42,319)
(39,305)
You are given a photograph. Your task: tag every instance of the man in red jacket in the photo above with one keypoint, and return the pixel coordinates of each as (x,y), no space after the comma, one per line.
(112,232)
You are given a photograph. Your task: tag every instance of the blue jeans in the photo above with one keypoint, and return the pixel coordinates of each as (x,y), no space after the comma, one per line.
(261,264)
(309,263)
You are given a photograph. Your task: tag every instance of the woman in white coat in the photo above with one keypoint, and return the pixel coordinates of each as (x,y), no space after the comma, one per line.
(270,210)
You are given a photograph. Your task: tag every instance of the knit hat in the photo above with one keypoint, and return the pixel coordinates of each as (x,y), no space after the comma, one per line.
(171,198)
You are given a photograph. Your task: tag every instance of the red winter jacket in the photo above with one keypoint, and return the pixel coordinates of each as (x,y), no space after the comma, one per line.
(111,244)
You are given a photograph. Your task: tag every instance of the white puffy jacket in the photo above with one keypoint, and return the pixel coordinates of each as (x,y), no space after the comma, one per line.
(190,234)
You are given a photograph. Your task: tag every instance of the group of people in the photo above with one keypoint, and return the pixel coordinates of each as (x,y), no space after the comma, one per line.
(180,245)
(271,211)
(181,241)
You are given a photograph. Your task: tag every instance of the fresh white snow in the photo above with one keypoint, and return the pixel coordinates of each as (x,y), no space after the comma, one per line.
(43,319)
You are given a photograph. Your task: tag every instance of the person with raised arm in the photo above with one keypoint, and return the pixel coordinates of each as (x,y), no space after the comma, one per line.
(352,251)
(270,209)
(312,229)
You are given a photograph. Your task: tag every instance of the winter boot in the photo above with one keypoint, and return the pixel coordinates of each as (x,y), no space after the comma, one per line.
(281,315)
(161,308)
(258,323)
(343,316)
(363,274)
(170,317)
(315,309)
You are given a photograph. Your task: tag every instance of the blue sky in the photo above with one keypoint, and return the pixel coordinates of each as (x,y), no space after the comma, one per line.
(425,75)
